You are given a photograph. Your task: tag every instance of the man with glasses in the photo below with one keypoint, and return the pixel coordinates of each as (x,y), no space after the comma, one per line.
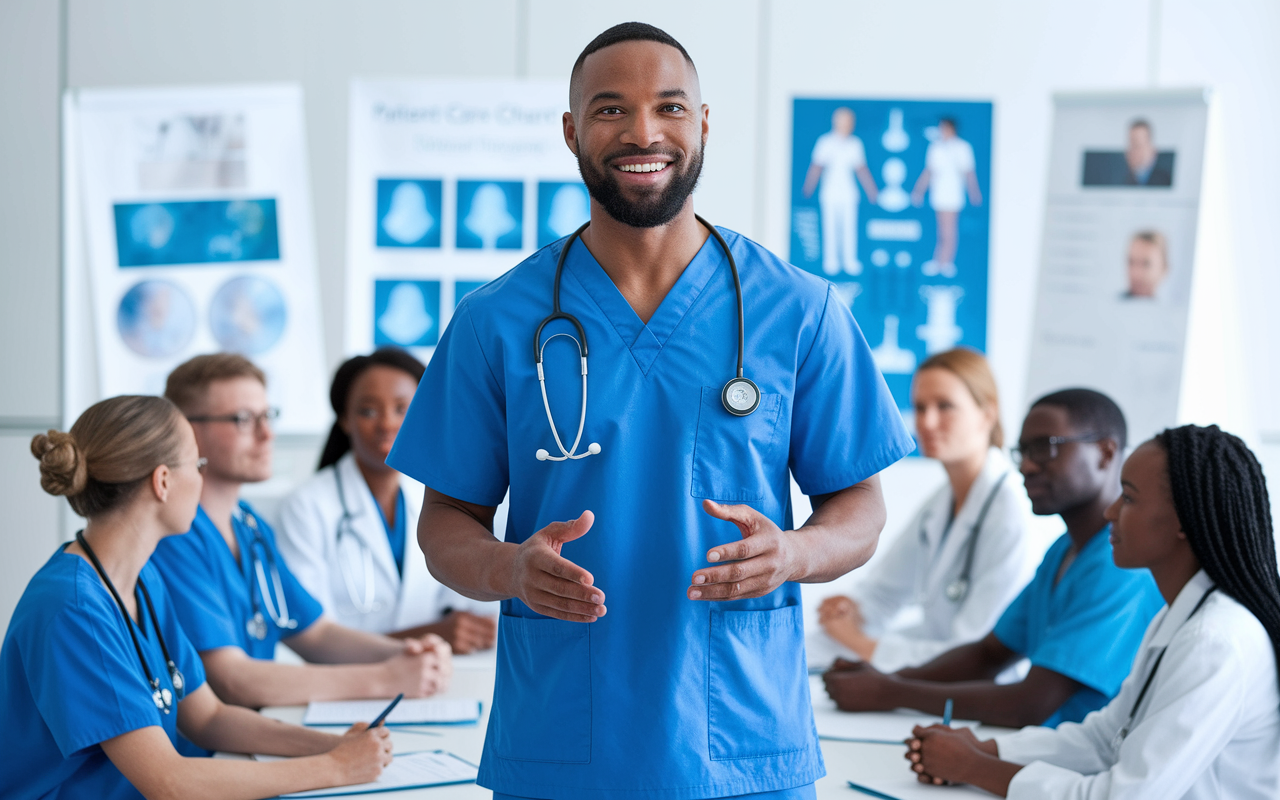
(1081,619)
(232,590)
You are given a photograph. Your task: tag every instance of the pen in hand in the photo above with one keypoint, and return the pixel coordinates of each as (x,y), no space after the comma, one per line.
(946,712)
(383,716)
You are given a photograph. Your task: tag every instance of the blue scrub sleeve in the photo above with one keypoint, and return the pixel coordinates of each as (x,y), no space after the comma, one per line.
(454,438)
(85,678)
(1094,641)
(845,425)
(1011,628)
(202,607)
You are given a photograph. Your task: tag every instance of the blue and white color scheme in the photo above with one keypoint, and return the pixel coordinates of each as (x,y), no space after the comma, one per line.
(406,313)
(562,208)
(490,215)
(196,232)
(156,318)
(409,212)
(914,290)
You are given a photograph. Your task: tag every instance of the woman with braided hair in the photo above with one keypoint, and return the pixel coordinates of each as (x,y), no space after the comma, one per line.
(1199,715)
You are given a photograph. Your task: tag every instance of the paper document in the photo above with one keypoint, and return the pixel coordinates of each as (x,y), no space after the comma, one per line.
(908,788)
(412,771)
(867,726)
(420,711)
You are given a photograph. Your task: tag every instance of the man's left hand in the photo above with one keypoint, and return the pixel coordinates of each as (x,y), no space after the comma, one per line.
(760,563)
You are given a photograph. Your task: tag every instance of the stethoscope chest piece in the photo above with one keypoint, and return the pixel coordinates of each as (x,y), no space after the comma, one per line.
(257,626)
(957,590)
(740,397)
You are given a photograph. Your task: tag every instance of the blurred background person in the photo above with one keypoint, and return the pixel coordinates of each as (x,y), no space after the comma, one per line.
(837,157)
(949,172)
(349,534)
(1147,264)
(966,554)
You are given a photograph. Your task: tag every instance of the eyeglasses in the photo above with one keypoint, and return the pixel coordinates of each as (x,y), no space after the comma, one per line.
(1042,451)
(245,421)
(201,463)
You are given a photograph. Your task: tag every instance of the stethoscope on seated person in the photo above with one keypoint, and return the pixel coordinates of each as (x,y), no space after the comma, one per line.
(162,697)
(364,603)
(740,396)
(277,610)
(958,589)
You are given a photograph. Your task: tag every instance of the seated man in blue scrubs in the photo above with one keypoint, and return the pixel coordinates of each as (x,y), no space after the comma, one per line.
(689,681)
(1081,619)
(234,593)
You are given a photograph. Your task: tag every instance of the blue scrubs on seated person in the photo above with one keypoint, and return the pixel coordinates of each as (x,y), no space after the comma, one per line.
(70,679)
(215,595)
(1088,627)
(663,697)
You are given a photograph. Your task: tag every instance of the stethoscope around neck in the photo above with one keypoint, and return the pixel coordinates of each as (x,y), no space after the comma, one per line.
(740,395)
(364,602)
(162,697)
(958,589)
(272,595)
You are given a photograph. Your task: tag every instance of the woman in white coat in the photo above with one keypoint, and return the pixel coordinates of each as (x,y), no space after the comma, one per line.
(1198,718)
(349,533)
(965,556)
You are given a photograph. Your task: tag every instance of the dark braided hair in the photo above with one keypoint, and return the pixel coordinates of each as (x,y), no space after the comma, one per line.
(345,378)
(1220,496)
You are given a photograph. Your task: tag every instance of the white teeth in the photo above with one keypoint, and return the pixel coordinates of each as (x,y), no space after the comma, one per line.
(654,167)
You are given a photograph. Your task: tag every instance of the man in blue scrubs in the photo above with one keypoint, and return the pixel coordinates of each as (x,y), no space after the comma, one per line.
(232,590)
(616,677)
(1080,621)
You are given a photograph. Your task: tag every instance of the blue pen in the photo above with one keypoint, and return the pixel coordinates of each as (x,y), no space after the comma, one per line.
(378,721)
(869,791)
(946,713)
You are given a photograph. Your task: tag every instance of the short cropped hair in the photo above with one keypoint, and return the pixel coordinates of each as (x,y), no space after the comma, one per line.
(189,381)
(1156,238)
(1090,411)
(624,32)
(1141,123)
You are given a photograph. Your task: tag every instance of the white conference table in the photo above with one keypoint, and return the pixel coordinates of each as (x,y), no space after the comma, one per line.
(473,678)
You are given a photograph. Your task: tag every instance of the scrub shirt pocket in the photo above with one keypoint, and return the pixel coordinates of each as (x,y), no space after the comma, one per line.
(542,697)
(757,684)
(732,455)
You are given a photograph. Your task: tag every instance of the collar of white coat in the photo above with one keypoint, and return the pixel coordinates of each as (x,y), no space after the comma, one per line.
(1180,610)
(997,464)
(359,496)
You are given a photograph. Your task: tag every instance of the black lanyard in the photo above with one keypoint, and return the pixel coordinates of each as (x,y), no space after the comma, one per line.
(1155,667)
(162,697)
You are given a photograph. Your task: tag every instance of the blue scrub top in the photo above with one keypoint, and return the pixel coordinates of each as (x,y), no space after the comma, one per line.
(664,696)
(70,679)
(1089,627)
(213,593)
(395,533)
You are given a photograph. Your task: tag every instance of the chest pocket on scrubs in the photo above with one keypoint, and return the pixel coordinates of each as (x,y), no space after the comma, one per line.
(732,455)
(758,687)
(542,697)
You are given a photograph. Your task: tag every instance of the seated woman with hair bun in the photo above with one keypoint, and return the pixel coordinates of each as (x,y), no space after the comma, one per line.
(96,675)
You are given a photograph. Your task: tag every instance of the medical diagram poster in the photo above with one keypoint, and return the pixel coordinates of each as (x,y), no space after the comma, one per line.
(890,201)
(197,236)
(451,184)
(1117,258)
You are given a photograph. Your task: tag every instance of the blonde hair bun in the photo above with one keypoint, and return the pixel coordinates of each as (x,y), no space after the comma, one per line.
(63,470)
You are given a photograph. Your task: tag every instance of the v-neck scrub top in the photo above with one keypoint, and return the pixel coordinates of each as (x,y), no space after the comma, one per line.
(664,696)
(70,679)
(213,593)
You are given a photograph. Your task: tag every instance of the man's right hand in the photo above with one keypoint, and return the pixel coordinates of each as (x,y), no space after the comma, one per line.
(552,585)
(361,754)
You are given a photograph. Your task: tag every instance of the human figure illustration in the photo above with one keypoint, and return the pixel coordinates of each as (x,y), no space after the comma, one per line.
(837,157)
(948,171)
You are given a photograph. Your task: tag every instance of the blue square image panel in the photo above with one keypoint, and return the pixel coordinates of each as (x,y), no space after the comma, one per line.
(463,288)
(406,313)
(408,212)
(196,232)
(562,208)
(490,215)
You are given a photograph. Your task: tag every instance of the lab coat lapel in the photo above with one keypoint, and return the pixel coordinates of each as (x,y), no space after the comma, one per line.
(419,591)
(952,550)
(367,523)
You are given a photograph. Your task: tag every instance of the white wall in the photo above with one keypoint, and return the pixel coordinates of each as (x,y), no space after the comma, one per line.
(753,57)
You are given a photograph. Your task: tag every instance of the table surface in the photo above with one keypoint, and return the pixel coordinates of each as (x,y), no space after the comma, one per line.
(473,678)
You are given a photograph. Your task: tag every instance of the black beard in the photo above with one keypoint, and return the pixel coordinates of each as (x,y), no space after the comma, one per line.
(653,209)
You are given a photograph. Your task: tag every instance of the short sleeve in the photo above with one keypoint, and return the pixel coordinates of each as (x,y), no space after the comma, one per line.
(966,157)
(201,606)
(85,679)
(822,151)
(1011,628)
(302,606)
(845,426)
(454,438)
(859,153)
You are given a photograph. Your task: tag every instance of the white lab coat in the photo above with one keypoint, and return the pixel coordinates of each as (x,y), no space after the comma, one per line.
(925,559)
(1208,729)
(307,538)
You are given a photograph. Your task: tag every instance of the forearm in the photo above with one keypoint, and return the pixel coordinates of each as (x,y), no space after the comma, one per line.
(840,535)
(222,779)
(1011,705)
(327,642)
(238,730)
(255,683)
(463,554)
(987,771)
(968,662)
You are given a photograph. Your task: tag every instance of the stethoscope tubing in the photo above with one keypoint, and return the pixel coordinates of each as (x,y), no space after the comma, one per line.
(346,528)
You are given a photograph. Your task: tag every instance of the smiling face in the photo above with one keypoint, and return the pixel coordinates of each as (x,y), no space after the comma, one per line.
(1145,531)
(950,424)
(379,399)
(638,128)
